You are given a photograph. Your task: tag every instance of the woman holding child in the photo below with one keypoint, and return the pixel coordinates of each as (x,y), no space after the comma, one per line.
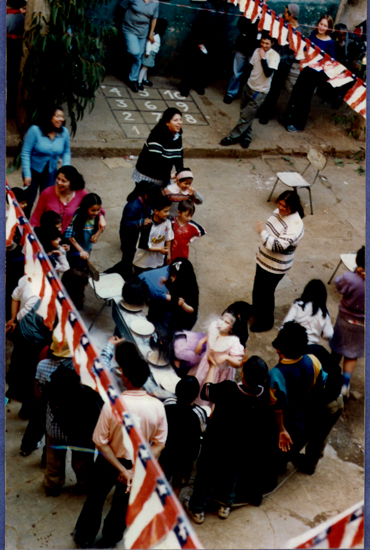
(162,150)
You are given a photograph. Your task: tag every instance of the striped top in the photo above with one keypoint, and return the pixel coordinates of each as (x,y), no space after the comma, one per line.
(279,239)
(162,150)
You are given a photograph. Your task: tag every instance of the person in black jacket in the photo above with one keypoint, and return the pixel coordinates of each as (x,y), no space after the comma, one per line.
(245,45)
(162,150)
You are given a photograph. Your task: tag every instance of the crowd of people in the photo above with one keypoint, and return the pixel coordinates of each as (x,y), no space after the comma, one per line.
(295,403)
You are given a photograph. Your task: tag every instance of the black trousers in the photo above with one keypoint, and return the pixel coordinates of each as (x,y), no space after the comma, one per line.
(299,106)
(268,108)
(104,477)
(264,287)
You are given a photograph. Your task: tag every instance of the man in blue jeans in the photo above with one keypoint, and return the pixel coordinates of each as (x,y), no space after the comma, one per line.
(265,61)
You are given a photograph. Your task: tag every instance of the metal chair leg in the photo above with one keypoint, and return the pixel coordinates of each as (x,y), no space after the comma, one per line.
(309,191)
(106,302)
(336,269)
(273,189)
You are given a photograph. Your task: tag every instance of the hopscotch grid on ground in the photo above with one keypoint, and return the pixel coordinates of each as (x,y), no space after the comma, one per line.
(137,114)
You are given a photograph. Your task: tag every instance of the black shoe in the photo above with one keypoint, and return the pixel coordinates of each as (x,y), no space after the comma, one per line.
(227,141)
(140,87)
(200,91)
(245,144)
(104,543)
(81,543)
(53,491)
(147,83)
(228,99)
(184,92)
(257,327)
(304,465)
(133,86)
(264,121)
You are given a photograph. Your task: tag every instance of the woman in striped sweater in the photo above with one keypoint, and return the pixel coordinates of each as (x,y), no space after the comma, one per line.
(279,239)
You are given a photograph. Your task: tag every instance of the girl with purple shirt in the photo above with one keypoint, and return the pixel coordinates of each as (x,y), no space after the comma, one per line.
(349,331)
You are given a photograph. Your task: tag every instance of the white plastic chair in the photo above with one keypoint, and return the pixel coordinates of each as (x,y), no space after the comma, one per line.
(296,180)
(108,287)
(349,260)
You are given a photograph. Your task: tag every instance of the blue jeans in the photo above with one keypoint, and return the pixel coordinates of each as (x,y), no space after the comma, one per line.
(135,47)
(238,67)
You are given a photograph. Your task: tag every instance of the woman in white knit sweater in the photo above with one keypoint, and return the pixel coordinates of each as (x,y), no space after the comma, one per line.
(279,239)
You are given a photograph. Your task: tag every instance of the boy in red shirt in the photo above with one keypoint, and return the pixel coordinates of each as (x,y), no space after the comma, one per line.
(185,230)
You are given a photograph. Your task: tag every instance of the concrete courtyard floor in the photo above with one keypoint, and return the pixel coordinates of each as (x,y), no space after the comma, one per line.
(235,192)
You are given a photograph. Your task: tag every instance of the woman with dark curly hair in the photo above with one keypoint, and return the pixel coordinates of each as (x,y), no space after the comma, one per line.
(162,150)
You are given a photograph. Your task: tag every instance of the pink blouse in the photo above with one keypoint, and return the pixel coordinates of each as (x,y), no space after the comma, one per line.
(49,200)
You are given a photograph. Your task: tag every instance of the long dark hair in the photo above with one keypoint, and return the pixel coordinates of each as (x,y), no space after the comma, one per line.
(46,236)
(292,200)
(314,292)
(81,215)
(73,176)
(143,188)
(185,285)
(241,311)
(45,123)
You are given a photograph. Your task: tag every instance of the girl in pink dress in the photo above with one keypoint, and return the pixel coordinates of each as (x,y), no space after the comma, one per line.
(226,339)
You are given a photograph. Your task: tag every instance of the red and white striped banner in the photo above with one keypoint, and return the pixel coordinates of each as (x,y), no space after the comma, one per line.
(154,514)
(343,531)
(313,57)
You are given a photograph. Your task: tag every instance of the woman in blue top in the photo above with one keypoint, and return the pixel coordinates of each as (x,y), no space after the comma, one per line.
(43,145)
(299,106)
(138,26)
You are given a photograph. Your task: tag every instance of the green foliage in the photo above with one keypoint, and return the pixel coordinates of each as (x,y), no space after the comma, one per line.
(288,159)
(339,162)
(360,171)
(350,125)
(65,61)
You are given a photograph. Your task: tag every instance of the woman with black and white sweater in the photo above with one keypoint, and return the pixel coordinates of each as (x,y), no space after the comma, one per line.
(279,239)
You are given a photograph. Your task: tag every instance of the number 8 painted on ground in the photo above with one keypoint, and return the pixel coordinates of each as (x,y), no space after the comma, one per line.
(191,119)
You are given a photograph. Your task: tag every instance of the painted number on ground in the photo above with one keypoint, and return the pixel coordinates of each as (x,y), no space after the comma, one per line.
(116,91)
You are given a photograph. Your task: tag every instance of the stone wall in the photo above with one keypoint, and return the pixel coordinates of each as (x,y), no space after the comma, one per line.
(181,20)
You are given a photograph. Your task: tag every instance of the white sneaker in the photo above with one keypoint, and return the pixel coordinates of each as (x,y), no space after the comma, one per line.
(224,512)
(345,391)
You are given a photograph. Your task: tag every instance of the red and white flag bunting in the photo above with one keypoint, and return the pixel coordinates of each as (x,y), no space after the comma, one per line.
(313,57)
(343,531)
(154,515)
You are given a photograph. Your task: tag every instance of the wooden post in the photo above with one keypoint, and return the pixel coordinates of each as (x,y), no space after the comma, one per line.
(33,6)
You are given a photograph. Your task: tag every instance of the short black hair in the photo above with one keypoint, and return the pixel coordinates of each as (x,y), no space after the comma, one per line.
(255,372)
(19,194)
(135,291)
(160,202)
(133,366)
(187,390)
(292,340)
(187,206)
(265,36)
